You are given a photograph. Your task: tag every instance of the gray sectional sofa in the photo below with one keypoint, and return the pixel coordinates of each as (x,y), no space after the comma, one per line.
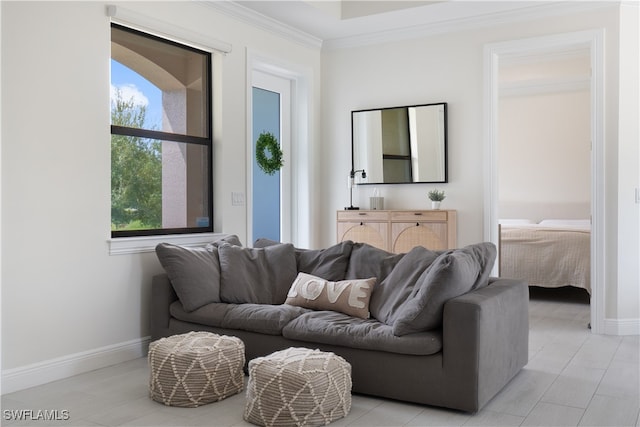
(426,327)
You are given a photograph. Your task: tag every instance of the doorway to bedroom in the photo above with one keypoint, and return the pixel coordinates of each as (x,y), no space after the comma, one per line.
(544,172)
(544,134)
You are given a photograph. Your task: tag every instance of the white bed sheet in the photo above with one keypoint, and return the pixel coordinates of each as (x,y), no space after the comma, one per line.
(549,255)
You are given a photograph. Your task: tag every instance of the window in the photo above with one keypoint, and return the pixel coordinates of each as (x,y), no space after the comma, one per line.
(161,162)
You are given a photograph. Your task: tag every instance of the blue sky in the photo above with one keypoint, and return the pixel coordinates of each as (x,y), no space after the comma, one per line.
(133,85)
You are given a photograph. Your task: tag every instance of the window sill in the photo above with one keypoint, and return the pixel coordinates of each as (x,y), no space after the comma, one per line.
(135,245)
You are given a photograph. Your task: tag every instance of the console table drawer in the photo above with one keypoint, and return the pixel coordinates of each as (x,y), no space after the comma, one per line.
(409,216)
(356,216)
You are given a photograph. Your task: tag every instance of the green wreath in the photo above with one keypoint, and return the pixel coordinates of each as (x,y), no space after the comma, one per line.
(272,164)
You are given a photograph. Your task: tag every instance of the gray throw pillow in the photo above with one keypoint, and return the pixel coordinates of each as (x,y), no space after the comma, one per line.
(194,273)
(263,242)
(369,261)
(256,275)
(330,263)
(396,288)
(485,253)
(452,274)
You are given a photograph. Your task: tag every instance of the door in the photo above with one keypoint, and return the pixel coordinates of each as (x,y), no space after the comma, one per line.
(270,201)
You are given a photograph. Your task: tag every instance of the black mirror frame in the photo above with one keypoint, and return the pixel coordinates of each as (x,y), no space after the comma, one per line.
(445,142)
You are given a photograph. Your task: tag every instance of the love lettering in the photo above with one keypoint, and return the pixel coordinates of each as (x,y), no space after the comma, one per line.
(311,289)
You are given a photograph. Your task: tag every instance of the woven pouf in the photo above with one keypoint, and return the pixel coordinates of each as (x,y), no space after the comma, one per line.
(196,368)
(298,387)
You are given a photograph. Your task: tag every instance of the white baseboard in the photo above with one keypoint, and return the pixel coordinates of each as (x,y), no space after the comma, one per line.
(622,326)
(67,366)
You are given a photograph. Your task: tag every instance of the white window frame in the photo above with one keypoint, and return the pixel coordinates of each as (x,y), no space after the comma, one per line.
(217,48)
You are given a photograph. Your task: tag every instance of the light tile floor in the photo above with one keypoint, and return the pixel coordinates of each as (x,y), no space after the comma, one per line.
(573,378)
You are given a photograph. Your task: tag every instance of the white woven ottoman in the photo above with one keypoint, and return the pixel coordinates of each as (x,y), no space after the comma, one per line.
(298,387)
(196,368)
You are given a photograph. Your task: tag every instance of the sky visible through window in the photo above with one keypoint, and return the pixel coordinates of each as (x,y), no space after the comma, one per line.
(133,86)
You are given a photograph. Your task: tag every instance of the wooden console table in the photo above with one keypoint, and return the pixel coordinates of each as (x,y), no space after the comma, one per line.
(399,231)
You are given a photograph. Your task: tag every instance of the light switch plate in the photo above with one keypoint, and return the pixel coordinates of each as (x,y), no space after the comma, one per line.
(237,198)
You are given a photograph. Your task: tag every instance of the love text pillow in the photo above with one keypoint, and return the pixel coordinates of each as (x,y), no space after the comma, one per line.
(346,296)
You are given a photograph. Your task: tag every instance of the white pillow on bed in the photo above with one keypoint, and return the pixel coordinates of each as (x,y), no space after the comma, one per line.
(515,221)
(565,222)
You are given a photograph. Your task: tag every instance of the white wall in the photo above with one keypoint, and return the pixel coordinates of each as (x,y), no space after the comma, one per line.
(544,135)
(545,155)
(449,68)
(628,294)
(63,295)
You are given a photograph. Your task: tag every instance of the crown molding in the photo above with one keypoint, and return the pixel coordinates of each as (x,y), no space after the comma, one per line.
(537,11)
(255,19)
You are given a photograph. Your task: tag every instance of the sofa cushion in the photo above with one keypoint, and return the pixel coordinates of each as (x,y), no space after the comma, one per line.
(452,274)
(194,273)
(330,263)
(398,285)
(257,276)
(346,296)
(369,261)
(210,314)
(261,318)
(330,327)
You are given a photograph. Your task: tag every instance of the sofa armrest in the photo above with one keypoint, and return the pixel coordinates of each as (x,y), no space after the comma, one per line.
(486,338)
(162,296)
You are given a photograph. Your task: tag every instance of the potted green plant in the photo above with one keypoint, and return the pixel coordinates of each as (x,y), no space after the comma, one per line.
(436,196)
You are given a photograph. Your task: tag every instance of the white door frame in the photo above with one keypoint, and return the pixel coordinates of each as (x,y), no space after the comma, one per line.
(281,86)
(299,215)
(594,41)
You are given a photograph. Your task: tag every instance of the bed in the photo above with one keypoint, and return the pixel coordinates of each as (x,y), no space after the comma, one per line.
(550,254)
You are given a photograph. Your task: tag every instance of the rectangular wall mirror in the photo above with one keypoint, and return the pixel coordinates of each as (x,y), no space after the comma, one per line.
(400,144)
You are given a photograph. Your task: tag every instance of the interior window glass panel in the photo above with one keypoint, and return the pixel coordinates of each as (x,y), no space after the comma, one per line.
(176,73)
(145,198)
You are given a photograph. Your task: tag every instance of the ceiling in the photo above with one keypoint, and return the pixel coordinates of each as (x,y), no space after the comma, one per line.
(329,20)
